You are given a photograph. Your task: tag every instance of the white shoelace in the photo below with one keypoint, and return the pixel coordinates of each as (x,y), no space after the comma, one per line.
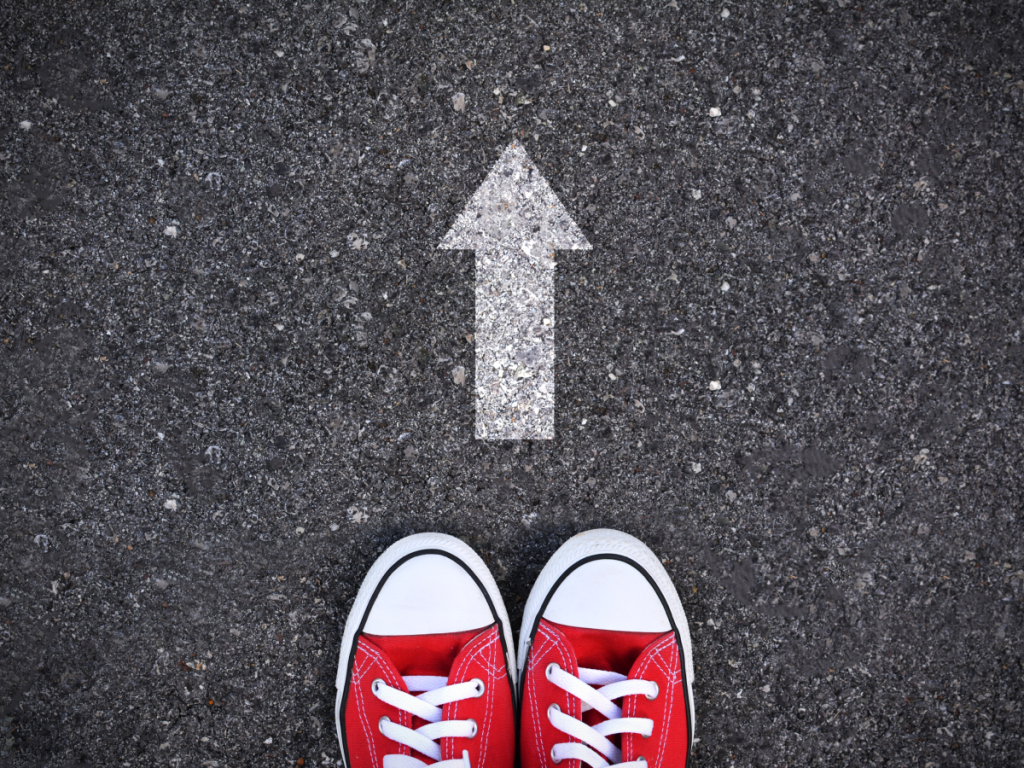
(613,686)
(427,706)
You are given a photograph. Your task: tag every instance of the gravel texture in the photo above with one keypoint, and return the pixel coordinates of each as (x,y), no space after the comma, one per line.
(234,366)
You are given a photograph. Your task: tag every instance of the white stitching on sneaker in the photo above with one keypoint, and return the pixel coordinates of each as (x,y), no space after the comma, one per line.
(544,641)
(360,670)
(488,706)
(474,653)
(663,651)
(594,738)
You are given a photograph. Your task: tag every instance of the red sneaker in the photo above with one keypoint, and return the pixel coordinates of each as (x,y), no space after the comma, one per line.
(425,674)
(602,653)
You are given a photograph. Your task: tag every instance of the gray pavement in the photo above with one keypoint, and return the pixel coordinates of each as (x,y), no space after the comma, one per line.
(234,365)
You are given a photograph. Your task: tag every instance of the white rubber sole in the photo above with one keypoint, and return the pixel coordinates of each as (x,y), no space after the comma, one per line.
(603,541)
(391,557)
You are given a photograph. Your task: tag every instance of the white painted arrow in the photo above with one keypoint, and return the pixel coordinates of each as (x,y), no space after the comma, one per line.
(515,223)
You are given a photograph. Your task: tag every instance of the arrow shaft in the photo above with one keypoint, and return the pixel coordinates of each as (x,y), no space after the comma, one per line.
(515,344)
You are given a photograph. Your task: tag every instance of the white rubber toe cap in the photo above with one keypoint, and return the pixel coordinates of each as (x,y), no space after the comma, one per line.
(610,594)
(428,594)
(605,579)
(427,583)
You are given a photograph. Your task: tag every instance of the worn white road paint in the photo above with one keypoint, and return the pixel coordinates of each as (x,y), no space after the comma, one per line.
(515,223)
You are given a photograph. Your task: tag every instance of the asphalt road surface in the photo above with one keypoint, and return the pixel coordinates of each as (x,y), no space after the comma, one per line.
(234,365)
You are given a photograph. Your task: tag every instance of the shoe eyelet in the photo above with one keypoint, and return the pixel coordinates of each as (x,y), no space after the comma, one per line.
(380,723)
(554,759)
(551,668)
(657,691)
(553,708)
(641,759)
(475,729)
(479,687)
(375,685)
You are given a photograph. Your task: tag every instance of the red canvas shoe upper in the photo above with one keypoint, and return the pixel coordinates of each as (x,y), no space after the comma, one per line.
(605,660)
(661,711)
(473,659)
(425,668)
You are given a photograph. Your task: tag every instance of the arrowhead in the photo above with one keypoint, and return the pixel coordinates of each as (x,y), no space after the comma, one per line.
(514,206)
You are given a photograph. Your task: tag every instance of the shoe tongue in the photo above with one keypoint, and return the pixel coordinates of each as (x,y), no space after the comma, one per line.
(432,655)
(606,649)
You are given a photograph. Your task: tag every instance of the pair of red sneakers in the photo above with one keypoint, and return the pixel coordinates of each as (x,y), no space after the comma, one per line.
(428,673)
